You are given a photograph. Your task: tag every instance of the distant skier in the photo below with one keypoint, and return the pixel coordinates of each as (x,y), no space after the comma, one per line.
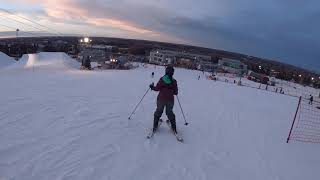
(311,99)
(152,75)
(167,86)
(198,77)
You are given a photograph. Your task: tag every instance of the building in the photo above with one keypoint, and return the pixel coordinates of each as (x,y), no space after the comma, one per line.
(3,43)
(274,73)
(163,57)
(58,43)
(232,66)
(186,63)
(206,65)
(260,78)
(97,53)
(183,59)
(120,62)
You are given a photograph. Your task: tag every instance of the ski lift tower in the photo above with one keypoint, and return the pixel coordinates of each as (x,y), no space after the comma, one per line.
(17,33)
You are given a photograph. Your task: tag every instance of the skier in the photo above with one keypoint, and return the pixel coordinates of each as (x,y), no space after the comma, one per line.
(198,77)
(311,99)
(152,74)
(167,86)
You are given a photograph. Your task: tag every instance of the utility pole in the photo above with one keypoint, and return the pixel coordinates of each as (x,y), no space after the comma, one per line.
(17,33)
(17,36)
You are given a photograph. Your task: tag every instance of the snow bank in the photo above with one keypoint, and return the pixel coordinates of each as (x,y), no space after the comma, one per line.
(46,60)
(5,60)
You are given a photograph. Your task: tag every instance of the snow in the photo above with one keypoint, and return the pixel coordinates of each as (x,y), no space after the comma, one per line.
(45,61)
(299,90)
(74,125)
(5,60)
(289,88)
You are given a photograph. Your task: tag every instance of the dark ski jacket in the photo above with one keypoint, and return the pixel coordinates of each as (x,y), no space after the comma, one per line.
(168,88)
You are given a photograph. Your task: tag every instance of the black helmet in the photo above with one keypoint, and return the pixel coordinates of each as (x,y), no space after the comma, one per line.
(169,70)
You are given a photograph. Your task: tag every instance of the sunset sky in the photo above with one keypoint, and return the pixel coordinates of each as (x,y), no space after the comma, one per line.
(284,30)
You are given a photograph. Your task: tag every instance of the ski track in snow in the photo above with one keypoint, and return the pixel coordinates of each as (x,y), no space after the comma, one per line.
(69,124)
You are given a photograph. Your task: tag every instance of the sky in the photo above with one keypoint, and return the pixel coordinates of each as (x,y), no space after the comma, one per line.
(282,30)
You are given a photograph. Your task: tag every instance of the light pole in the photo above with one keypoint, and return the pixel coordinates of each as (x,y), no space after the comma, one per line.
(17,33)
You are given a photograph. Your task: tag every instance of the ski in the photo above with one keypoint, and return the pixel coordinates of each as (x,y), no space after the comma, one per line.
(151,133)
(179,138)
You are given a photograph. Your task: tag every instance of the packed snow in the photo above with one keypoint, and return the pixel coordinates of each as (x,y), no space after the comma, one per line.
(289,88)
(45,61)
(74,125)
(5,60)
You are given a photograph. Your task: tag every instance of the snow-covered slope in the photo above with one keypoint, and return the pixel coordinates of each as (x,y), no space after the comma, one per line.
(74,125)
(289,88)
(46,61)
(5,60)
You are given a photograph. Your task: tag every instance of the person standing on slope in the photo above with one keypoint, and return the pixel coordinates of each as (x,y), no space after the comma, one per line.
(167,87)
(311,99)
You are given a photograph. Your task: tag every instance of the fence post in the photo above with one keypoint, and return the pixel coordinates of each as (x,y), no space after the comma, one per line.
(295,116)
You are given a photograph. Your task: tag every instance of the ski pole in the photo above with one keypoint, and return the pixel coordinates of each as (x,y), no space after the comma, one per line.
(184,117)
(138,104)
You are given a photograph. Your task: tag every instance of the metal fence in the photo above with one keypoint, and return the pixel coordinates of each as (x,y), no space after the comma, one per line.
(306,123)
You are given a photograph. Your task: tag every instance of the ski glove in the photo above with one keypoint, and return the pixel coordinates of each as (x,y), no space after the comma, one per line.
(151,86)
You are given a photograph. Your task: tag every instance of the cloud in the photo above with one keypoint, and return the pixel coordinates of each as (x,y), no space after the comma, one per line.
(117,24)
(284,30)
(75,11)
(132,19)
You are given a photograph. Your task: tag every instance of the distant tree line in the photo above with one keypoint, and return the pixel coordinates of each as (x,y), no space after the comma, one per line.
(17,50)
(285,73)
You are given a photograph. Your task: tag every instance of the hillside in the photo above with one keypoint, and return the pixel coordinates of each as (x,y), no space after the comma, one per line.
(74,125)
